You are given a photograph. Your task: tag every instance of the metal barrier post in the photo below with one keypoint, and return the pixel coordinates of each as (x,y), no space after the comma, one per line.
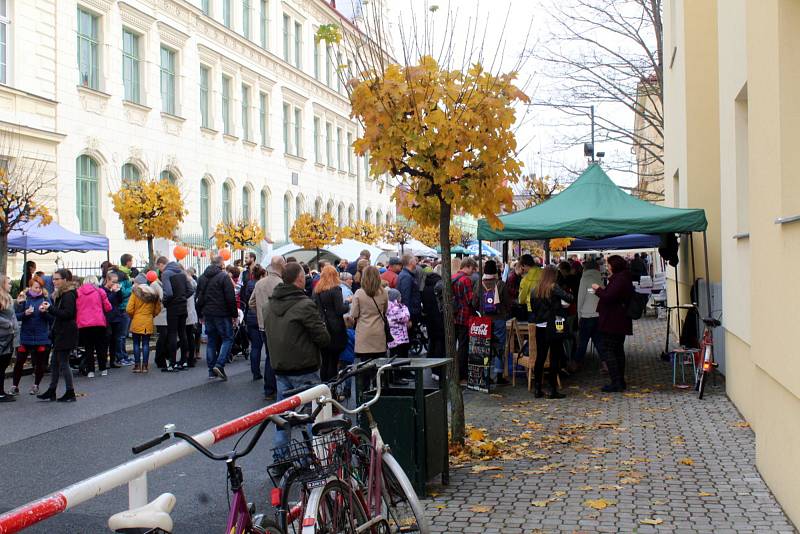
(137,492)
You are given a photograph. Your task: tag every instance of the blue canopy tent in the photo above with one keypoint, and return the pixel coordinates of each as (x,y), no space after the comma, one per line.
(52,238)
(487,250)
(622,242)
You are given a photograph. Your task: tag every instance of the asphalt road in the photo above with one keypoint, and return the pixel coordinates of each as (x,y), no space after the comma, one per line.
(47,446)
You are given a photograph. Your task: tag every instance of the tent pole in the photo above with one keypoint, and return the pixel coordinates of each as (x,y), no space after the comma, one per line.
(480,270)
(708,274)
(691,245)
(24,268)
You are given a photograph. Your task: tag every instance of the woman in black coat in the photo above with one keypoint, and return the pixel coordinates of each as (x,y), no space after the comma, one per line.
(550,314)
(432,312)
(329,300)
(64,333)
(614,323)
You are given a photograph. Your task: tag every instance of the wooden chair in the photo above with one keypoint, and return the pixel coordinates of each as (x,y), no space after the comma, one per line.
(523,332)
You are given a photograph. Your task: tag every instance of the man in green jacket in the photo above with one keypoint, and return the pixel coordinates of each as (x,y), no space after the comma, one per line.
(295,334)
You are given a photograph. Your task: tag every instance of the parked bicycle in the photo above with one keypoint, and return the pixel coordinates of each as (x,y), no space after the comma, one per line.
(709,365)
(343,479)
(154,517)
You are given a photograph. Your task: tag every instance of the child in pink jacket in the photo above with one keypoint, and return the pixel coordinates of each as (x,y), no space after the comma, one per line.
(399,318)
(92,306)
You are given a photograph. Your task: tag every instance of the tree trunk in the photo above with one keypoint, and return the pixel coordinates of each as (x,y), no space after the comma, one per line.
(317,258)
(4,253)
(151,259)
(402,249)
(454,393)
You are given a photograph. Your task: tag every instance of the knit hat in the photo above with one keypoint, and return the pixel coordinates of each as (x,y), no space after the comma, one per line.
(394,295)
(140,279)
(490,267)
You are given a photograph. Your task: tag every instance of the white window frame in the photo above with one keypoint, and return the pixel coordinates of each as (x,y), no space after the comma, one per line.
(137,60)
(246,102)
(263,117)
(95,41)
(264,24)
(225,94)
(173,108)
(317,140)
(5,51)
(205,121)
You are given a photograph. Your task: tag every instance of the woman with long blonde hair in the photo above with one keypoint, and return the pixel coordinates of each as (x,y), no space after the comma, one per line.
(550,312)
(368,309)
(328,298)
(8,327)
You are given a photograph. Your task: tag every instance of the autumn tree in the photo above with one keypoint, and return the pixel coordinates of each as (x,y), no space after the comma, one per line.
(239,235)
(149,208)
(362,231)
(315,233)
(27,185)
(445,136)
(561,243)
(397,233)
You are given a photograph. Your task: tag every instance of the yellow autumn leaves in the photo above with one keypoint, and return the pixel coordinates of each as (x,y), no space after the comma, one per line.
(313,233)
(445,134)
(149,208)
(363,231)
(239,235)
(429,234)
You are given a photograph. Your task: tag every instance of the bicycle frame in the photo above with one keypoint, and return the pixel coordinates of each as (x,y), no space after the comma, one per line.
(239,518)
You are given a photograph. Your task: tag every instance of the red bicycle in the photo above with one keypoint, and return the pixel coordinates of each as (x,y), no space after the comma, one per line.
(708,365)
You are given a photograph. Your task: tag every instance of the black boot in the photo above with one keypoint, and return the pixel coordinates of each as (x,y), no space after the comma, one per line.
(49,395)
(68,396)
(537,392)
(554,394)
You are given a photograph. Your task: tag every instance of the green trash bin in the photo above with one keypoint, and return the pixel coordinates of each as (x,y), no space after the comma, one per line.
(413,422)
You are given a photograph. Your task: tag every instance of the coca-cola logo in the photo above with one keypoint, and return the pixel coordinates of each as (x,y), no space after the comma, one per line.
(479,330)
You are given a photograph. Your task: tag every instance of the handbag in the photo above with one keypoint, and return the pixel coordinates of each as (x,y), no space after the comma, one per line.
(386,330)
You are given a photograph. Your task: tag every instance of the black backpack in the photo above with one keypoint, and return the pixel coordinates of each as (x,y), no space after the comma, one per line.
(635,307)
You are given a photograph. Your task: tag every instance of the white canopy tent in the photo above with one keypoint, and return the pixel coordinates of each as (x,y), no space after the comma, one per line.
(348,249)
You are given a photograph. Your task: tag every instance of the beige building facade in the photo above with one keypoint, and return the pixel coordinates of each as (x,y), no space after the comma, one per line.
(733,117)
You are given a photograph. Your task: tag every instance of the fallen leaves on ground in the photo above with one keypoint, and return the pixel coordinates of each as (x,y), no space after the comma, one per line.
(686,461)
(586,488)
(659,502)
(481,509)
(540,504)
(678,440)
(704,494)
(482,468)
(654,521)
(742,424)
(629,480)
(598,504)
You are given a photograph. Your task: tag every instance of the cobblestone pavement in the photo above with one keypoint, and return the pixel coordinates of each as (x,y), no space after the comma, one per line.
(656,456)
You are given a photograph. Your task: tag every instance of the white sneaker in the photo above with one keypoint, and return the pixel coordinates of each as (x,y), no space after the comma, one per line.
(103,373)
(90,375)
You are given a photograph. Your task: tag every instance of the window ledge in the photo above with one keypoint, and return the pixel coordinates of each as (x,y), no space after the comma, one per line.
(136,105)
(319,165)
(94,92)
(266,149)
(249,143)
(293,157)
(172,117)
(342,172)
(331,169)
(744,235)
(210,131)
(230,137)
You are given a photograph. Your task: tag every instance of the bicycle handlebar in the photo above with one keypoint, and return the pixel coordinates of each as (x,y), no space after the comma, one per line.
(373,400)
(150,444)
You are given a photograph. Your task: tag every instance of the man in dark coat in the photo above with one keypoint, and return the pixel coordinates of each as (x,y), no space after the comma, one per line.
(216,304)
(177,292)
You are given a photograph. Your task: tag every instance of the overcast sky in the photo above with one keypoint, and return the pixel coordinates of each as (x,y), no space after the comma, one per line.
(507,23)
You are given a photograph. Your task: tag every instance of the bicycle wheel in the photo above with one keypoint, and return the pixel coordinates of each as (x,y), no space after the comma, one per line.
(294,496)
(267,526)
(701,384)
(403,509)
(335,508)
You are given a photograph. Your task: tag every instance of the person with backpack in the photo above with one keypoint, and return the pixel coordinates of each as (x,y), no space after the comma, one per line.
(92,306)
(614,321)
(550,302)
(216,304)
(491,300)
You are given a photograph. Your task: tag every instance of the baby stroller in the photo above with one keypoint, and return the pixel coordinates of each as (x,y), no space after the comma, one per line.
(241,343)
(418,338)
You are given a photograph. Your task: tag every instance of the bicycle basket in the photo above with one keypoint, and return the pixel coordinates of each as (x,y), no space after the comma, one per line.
(317,458)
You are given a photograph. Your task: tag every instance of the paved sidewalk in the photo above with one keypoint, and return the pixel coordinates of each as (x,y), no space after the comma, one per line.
(655,459)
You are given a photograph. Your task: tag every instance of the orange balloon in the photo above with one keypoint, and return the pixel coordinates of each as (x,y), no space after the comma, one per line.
(151,276)
(225,254)
(180,252)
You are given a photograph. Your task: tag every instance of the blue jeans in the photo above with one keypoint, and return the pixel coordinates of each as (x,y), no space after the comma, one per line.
(270,386)
(499,344)
(587,329)
(141,348)
(122,336)
(285,383)
(256,343)
(220,339)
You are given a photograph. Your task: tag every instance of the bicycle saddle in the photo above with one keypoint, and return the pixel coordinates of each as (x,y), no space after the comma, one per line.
(321,428)
(154,514)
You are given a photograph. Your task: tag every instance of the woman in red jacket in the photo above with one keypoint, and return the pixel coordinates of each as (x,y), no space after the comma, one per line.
(614,323)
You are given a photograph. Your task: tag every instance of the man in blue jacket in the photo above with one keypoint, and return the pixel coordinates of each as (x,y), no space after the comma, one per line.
(408,286)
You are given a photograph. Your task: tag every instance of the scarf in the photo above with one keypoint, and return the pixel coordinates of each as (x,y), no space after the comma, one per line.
(496,287)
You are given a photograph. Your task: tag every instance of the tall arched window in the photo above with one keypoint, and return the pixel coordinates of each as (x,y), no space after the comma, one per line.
(340,217)
(368,215)
(287,211)
(130,173)
(264,207)
(204,207)
(379,218)
(388,217)
(329,207)
(246,203)
(351,215)
(298,206)
(226,202)
(318,208)
(87,194)
(169,176)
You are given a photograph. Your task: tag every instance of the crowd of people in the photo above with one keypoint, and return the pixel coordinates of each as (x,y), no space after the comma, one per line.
(307,323)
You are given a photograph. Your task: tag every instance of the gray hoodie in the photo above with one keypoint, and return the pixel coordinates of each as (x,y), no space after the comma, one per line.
(587,302)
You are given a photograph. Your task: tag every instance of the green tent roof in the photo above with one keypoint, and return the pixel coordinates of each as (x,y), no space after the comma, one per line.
(593,207)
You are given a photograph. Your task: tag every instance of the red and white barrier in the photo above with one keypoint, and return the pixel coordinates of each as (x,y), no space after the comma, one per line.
(134,473)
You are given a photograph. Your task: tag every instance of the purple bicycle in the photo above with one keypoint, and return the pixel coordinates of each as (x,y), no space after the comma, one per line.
(153,518)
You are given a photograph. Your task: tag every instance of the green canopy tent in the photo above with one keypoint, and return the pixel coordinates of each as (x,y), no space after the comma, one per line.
(594,207)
